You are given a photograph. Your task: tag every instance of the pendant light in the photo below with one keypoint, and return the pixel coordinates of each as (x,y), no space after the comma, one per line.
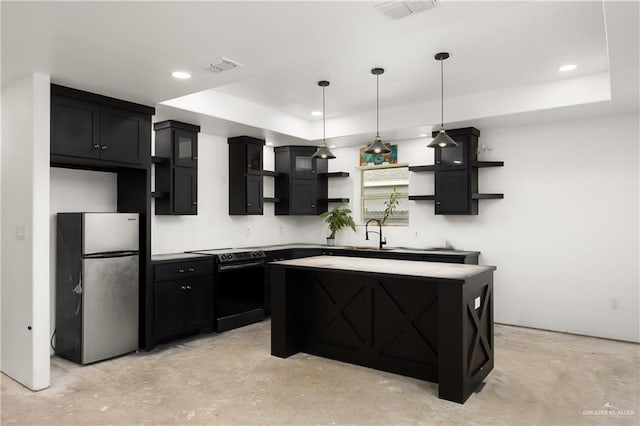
(442,140)
(377,147)
(323,150)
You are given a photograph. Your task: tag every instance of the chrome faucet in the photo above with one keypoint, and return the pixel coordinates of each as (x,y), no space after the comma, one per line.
(379,232)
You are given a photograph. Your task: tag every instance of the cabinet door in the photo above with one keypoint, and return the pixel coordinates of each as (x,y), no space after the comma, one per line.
(198,302)
(253,156)
(453,192)
(185,147)
(304,197)
(254,194)
(122,136)
(74,128)
(303,166)
(167,309)
(185,190)
(452,158)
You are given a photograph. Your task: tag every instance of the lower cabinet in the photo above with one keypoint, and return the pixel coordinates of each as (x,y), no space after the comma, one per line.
(183,298)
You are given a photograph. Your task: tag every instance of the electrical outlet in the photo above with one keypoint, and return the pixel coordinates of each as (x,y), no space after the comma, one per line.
(248,233)
(614,303)
(476,303)
(416,235)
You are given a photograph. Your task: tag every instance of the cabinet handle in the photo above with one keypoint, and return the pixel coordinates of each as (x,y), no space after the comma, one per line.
(438,202)
(191,270)
(313,205)
(183,287)
(181,270)
(195,158)
(96,146)
(249,204)
(103,147)
(194,203)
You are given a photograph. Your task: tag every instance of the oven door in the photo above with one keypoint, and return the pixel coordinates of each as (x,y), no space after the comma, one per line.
(240,294)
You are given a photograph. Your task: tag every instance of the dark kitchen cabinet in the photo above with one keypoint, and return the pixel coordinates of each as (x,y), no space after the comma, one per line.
(456,175)
(176,170)
(453,195)
(183,298)
(301,184)
(245,176)
(94,130)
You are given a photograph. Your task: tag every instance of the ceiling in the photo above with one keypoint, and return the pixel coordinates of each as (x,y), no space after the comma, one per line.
(128,50)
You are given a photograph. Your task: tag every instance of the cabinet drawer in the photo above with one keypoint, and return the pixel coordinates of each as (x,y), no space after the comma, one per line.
(185,269)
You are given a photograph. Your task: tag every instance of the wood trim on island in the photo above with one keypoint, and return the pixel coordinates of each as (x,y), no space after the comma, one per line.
(428,320)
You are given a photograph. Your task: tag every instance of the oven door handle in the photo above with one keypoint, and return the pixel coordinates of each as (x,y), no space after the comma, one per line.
(224,268)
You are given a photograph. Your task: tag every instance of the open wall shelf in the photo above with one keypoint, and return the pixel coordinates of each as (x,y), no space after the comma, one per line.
(422,197)
(487,196)
(263,173)
(337,174)
(481,164)
(418,169)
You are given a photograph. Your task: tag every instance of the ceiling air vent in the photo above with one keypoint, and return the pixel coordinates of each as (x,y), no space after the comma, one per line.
(223,64)
(400,9)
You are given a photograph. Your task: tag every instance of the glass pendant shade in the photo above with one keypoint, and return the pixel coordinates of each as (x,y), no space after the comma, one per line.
(377,147)
(442,141)
(323,150)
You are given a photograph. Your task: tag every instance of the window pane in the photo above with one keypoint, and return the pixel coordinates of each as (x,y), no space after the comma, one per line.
(377,186)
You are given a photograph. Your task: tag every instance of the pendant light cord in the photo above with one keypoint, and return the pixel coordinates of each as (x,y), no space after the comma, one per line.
(324,118)
(378,104)
(442,94)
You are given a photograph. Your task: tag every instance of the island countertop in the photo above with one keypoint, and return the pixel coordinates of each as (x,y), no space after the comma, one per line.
(409,268)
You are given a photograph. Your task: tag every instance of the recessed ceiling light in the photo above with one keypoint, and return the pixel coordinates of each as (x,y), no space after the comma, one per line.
(423,135)
(568,67)
(332,146)
(316,113)
(182,75)
(269,143)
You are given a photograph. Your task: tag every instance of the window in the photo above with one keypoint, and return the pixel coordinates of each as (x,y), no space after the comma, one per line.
(377,186)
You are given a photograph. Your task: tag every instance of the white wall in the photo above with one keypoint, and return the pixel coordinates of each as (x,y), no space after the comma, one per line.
(212,227)
(25,236)
(564,238)
(75,191)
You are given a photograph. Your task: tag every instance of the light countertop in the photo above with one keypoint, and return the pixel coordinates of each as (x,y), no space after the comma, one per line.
(451,271)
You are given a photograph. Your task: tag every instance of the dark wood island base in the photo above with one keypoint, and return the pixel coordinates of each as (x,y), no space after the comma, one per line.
(432,321)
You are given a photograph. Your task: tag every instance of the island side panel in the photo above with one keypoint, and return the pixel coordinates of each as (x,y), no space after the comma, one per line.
(286,312)
(465,336)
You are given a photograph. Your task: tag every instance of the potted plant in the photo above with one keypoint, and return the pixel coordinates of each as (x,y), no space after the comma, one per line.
(337,218)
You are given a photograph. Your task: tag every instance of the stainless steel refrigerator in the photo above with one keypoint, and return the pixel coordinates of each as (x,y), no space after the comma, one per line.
(97,270)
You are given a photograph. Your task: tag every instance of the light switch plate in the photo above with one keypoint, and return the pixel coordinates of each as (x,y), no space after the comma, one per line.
(476,302)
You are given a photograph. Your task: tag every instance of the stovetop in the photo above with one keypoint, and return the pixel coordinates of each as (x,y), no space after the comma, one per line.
(229,255)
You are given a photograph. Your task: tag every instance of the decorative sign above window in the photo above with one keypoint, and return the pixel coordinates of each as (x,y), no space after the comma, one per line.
(377,159)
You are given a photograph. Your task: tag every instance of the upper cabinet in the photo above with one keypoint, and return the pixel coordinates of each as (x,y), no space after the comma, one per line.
(94,130)
(301,187)
(245,176)
(176,173)
(456,175)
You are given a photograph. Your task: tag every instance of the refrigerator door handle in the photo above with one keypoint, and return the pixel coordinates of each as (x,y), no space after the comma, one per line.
(111,254)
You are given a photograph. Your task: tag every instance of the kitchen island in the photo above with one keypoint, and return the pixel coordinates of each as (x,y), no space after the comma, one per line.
(428,320)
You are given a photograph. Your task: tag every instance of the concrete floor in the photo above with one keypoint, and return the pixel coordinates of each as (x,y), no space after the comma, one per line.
(540,378)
